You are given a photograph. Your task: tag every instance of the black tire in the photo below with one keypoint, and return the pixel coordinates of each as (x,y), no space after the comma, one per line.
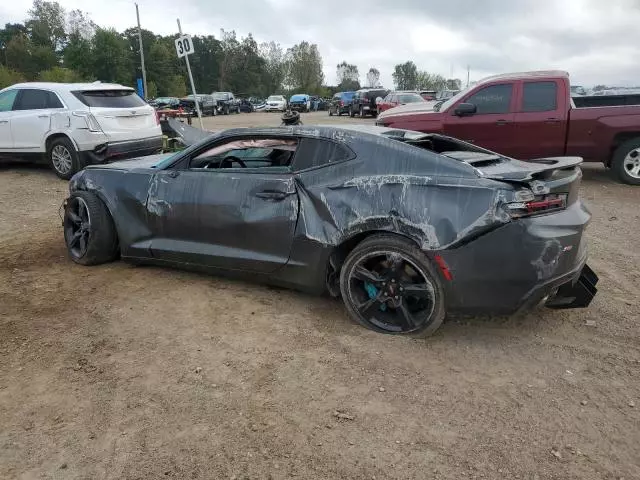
(63,147)
(238,109)
(351,114)
(330,112)
(101,242)
(226,109)
(361,111)
(625,162)
(389,244)
(214,112)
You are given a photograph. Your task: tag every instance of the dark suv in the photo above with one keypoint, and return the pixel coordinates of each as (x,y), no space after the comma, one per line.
(364,101)
(340,103)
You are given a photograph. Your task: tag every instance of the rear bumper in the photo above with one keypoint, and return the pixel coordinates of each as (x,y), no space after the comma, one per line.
(121,150)
(576,293)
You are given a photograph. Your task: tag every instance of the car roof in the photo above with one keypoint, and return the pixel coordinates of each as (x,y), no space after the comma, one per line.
(72,86)
(524,75)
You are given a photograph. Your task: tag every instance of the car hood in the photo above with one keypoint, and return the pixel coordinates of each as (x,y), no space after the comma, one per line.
(150,161)
(409,108)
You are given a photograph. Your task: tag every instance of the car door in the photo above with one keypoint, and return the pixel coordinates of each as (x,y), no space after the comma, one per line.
(241,217)
(492,126)
(31,119)
(7,99)
(540,120)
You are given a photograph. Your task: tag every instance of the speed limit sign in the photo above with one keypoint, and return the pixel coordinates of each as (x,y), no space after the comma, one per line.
(184,46)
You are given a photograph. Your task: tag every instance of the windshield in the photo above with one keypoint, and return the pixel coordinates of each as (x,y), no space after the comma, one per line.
(443,107)
(348,95)
(220,95)
(275,98)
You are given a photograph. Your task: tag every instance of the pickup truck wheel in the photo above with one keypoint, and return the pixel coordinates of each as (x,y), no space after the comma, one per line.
(226,109)
(89,231)
(63,158)
(330,112)
(626,162)
(361,111)
(351,114)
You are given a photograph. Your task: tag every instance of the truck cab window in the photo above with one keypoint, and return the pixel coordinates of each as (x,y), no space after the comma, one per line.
(539,96)
(492,99)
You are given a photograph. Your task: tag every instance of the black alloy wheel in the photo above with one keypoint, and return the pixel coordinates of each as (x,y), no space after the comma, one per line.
(388,285)
(77,227)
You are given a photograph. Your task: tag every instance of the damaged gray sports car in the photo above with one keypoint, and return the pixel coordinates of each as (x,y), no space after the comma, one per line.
(404,226)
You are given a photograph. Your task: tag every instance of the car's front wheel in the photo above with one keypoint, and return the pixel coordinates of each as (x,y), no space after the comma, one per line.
(626,162)
(361,111)
(89,231)
(351,112)
(63,158)
(389,285)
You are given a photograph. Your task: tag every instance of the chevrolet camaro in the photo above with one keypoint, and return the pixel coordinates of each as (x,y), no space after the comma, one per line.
(404,226)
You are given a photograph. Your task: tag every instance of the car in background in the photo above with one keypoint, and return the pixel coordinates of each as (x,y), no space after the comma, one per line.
(276,103)
(165,102)
(71,125)
(578,91)
(300,102)
(340,103)
(532,115)
(246,106)
(399,98)
(226,102)
(364,101)
(429,94)
(206,103)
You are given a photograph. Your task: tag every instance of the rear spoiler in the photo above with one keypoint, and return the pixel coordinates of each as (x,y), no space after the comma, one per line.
(535,169)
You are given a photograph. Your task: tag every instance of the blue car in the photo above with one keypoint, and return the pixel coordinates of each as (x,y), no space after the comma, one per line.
(300,102)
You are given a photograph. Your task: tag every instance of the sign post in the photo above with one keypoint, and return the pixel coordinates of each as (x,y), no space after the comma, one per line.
(184,48)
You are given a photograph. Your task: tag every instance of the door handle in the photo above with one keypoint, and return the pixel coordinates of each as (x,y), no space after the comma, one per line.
(4,121)
(552,121)
(273,194)
(502,122)
(43,116)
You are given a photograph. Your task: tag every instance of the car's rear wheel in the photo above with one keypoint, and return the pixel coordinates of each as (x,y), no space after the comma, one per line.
(63,158)
(238,109)
(626,162)
(388,285)
(361,111)
(330,112)
(351,114)
(226,109)
(89,231)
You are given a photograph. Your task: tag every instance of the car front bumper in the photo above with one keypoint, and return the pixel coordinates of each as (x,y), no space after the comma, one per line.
(121,150)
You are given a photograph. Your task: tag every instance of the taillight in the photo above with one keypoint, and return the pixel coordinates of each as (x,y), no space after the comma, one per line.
(530,204)
(341,103)
(90,120)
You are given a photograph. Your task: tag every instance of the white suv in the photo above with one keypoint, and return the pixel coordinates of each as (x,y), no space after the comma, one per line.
(76,124)
(276,103)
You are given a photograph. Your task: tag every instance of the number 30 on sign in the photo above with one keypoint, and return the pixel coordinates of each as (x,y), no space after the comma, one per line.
(184,46)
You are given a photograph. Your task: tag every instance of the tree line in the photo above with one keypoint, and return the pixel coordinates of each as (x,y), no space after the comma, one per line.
(59,46)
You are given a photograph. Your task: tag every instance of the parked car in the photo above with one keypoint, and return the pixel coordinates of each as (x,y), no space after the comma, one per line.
(340,103)
(226,102)
(206,102)
(246,106)
(300,102)
(429,94)
(471,230)
(165,102)
(71,125)
(399,98)
(364,101)
(276,103)
(532,115)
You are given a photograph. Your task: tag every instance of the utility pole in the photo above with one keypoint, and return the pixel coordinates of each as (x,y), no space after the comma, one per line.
(193,86)
(467,76)
(144,72)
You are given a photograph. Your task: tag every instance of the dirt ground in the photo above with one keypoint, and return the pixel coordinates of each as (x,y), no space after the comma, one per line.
(123,372)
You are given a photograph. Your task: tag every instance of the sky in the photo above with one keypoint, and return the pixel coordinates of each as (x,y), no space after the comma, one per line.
(596,41)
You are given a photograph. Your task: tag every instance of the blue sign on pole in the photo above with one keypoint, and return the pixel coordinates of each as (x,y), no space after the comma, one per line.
(140,88)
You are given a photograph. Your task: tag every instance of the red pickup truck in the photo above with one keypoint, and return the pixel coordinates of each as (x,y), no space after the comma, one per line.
(532,115)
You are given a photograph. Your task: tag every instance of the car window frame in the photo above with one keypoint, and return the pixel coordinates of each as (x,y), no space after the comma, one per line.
(555,98)
(350,157)
(22,91)
(510,108)
(182,163)
(9,90)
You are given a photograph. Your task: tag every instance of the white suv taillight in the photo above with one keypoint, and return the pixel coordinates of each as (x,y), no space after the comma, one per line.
(92,123)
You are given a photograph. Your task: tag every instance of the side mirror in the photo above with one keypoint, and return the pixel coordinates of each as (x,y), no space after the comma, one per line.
(465,110)
(378,100)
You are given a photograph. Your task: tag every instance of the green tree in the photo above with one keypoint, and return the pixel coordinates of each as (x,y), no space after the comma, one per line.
(60,74)
(304,68)
(373,77)
(7,33)
(454,84)
(274,67)
(204,62)
(46,24)
(29,59)
(428,81)
(152,90)
(405,76)
(77,55)
(348,76)
(176,87)
(112,58)
(9,77)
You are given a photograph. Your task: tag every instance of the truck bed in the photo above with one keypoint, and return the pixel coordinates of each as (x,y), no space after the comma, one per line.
(606,100)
